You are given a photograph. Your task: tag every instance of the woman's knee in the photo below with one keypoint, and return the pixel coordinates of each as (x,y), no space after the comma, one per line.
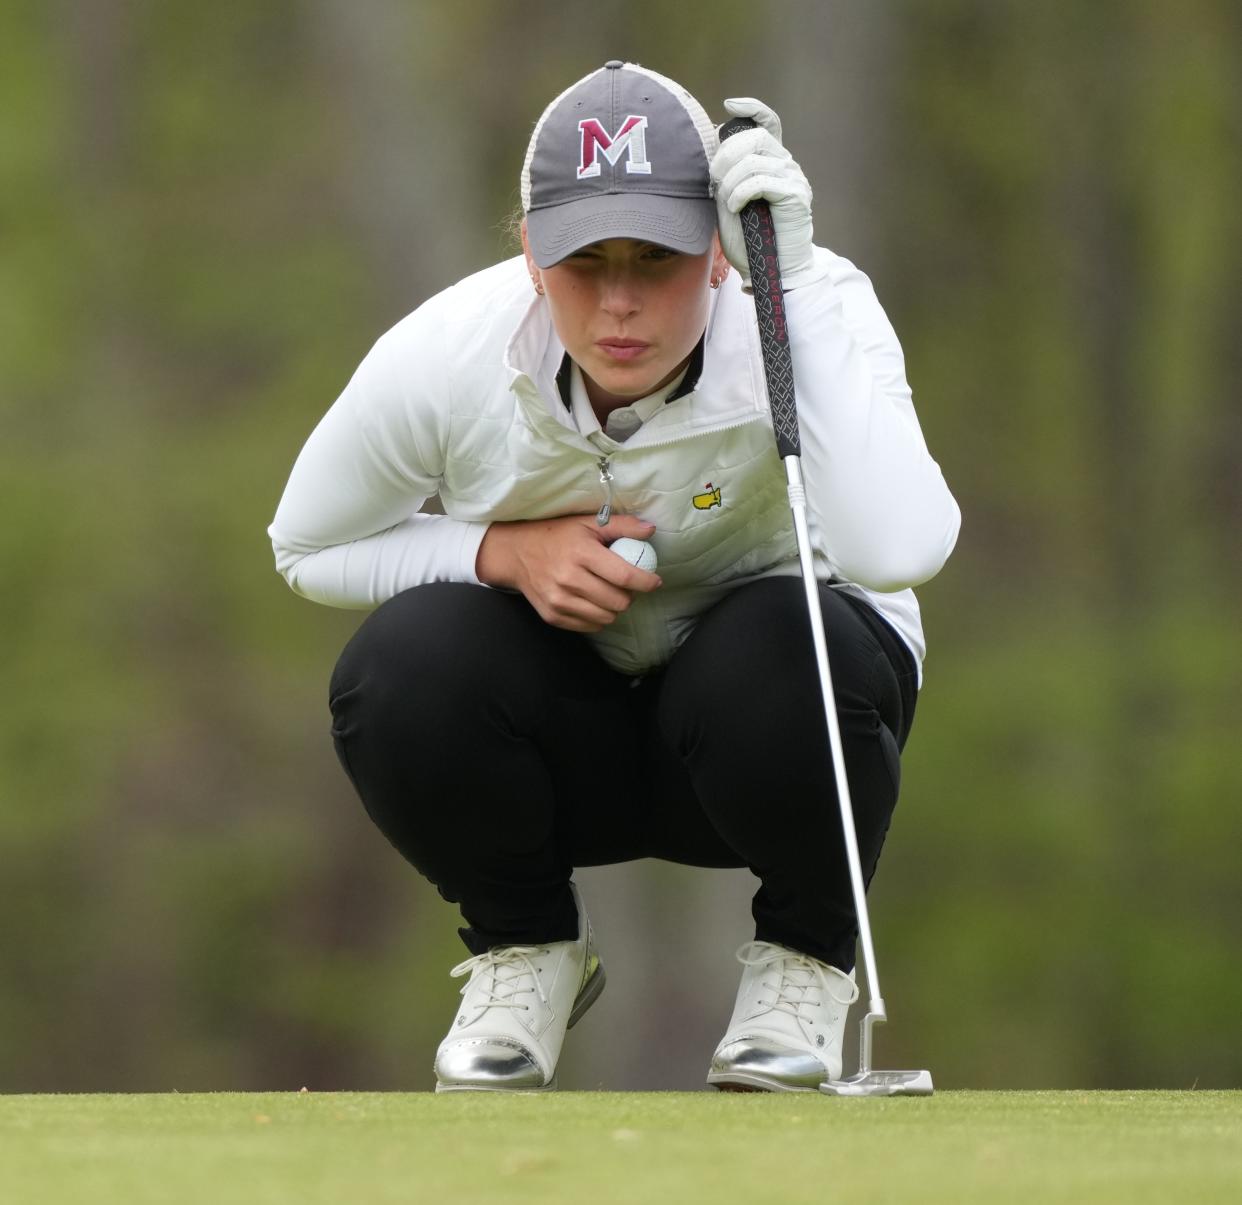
(429,641)
(753,655)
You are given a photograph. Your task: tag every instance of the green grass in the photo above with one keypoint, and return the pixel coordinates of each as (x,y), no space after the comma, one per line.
(597,1147)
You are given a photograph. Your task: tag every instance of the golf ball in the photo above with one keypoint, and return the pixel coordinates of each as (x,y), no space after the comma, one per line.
(637,552)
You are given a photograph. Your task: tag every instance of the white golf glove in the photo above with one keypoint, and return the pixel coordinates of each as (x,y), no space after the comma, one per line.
(754,164)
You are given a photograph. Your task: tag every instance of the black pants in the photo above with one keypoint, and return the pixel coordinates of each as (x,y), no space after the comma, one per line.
(498,753)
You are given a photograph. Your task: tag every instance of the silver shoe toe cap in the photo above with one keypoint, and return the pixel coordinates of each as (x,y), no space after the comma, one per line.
(487,1064)
(764,1063)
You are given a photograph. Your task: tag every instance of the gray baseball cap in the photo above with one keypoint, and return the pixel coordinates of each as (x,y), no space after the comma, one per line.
(622,154)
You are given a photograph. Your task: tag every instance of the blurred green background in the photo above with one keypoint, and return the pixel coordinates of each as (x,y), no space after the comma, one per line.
(208,212)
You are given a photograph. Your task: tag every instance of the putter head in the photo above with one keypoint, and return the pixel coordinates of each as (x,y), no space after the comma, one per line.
(880,1083)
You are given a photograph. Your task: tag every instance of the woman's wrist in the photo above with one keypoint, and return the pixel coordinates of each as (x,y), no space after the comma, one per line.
(492,564)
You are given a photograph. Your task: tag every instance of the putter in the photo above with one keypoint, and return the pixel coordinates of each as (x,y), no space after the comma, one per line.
(769,297)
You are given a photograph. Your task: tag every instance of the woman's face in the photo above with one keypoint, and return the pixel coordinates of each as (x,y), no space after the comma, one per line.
(629,313)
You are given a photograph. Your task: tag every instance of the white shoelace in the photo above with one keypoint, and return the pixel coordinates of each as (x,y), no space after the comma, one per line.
(801,979)
(503,977)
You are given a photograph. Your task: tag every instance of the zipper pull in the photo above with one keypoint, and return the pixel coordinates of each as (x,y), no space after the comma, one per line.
(605,479)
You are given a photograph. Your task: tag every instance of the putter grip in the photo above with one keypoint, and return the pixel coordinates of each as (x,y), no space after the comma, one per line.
(765,282)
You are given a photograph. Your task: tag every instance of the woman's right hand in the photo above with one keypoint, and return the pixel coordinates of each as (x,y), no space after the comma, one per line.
(564,568)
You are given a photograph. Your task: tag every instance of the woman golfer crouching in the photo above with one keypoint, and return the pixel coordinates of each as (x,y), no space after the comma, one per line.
(608,384)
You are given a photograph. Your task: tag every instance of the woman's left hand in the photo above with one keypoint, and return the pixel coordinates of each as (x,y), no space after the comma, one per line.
(752,165)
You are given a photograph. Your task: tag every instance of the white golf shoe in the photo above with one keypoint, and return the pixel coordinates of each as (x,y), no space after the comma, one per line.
(515,1009)
(788,1023)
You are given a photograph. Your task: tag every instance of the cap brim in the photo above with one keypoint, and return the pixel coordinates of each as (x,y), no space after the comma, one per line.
(682,223)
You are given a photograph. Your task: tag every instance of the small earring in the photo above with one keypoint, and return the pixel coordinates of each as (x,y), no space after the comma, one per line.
(538,285)
(715,282)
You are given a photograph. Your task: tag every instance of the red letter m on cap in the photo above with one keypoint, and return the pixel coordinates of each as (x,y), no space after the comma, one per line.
(630,140)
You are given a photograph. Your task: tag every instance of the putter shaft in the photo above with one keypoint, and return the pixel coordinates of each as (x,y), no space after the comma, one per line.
(875,1006)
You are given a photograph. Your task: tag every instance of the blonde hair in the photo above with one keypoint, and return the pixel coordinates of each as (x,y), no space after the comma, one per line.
(510,227)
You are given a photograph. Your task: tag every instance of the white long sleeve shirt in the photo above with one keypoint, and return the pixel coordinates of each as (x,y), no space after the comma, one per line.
(461,399)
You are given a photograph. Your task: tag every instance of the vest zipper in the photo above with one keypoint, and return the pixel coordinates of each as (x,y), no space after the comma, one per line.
(605,479)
